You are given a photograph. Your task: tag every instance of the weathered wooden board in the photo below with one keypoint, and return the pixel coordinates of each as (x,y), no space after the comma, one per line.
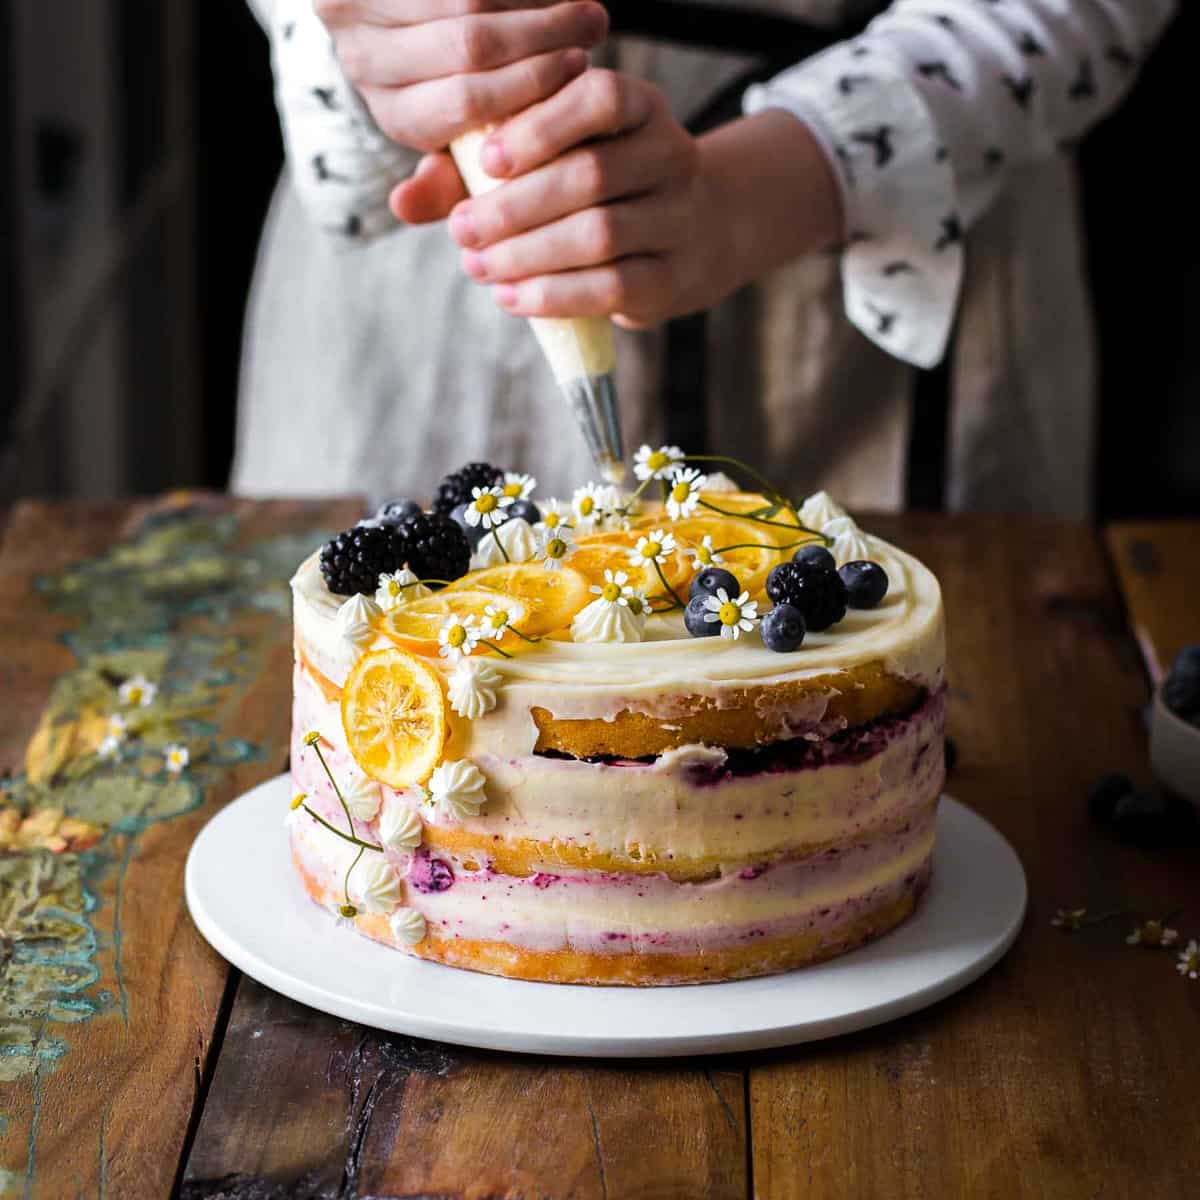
(1063,1072)
(108,996)
(1158,566)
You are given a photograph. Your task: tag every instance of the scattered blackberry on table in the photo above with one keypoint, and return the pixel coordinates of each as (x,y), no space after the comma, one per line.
(524,510)
(694,617)
(435,547)
(455,489)
(817,592)
(353,561)
(710,580)
(1104,794)
(1181,688)
(866,583)
(474,532)
(783,628)
(395,512)
(815,556)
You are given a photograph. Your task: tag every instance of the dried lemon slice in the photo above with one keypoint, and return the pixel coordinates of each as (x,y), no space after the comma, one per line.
(599,552)
(415,625)
(394,716)
(748,548)
(553,597)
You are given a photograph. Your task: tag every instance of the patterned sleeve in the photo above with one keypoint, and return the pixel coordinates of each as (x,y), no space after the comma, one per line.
(924,115)
(342,166)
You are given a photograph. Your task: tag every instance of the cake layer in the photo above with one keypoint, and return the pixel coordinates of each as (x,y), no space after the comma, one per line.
(686,814)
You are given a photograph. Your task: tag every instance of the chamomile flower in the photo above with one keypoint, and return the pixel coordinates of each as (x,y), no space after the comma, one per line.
(116,727)
(685,485)
(638,603)
(495,622)
(656,464)
(556,545)
(1189,960)
(175,758)
(518,487)
(1153,935)
(1069,919)
(555,515)
(398,588)
(110,746)
(704,556)
(656,547)
(486,507)
(736,616)
(615,589)
(457,637)
(137,692)
(590,503)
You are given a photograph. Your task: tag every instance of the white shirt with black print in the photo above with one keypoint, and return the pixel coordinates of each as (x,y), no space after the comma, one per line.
(925,115)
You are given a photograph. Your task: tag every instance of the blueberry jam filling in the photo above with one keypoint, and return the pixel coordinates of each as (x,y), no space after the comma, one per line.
(429,874)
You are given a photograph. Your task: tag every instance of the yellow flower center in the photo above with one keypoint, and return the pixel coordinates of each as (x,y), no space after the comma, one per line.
(456,636)
(635,605)
(393,587)
(680,492)
(552,520)
(498,621)
(512,489)
(586,506)
(135,695)
(652,550)
(657,461)
(486,503)
(1152,932)
(704,555)
(312,738)
(298,799)
(611,592)
(729,613)
(556,548)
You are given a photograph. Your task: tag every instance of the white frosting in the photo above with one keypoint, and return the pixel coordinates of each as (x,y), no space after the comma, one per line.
(362,797)
(819,509)
(407,926)
(472,688)
(374,885)
(608,621)
(399,826)
(849,542)
(718,483)
(516,536)
(355,620)
(456,790)
(398,589)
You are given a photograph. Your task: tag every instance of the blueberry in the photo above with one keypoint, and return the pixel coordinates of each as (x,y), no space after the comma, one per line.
(783,628)
(1147,819)
(709,581)
(524,510)
(396,511)
(474,532)
(1181,689)
(815,556)
(1104,794)
(866,583)
(693,617)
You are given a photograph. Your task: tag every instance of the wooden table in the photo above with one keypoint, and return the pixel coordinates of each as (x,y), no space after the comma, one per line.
(134,1062)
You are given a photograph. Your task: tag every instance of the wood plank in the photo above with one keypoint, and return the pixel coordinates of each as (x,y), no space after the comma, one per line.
(305,1104)
(1158,567)
(1059,1074)
(108,996)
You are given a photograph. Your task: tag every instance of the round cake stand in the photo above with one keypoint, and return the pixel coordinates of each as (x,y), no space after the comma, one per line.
(246,900)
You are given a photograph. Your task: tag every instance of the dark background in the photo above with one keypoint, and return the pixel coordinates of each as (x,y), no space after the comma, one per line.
(141,149)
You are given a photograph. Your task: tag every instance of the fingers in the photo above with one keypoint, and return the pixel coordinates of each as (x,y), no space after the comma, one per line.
(582,178)
(342,14)
(598,104)
(429,194)
(430,115)
(396,57)
(584,239)
(637,289)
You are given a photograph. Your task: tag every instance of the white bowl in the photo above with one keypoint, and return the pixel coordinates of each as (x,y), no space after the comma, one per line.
(1175,751)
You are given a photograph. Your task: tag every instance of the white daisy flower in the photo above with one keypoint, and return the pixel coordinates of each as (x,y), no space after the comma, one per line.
(495,622)
(472,688)
(457,637)
(555,515)
(736,616)
(704,555)
(655,548)
(116,727)
(109,746)
(1067,918)
(589,504)
(556,545)
(615,590)
(656,464)
(638,603)
(1189,960)
(398,589)
(486,507)
(456,790)
(686,484)
(137,692)
(175,758)
(518,487)
(1153,935)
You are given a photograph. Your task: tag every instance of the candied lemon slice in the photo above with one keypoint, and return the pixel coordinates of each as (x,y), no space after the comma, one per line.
(415,625)
(748,548)
(394,716)
(553,597)
(598,552)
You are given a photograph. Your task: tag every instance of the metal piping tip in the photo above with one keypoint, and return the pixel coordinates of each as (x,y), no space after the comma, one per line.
(593,400)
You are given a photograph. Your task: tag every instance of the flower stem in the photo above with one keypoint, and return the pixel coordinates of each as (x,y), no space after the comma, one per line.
(427,583)
(334,830)
(670,590)
(769,489)
(493,646)
(795,527)
(499,543)
(524,636)
(763,546)
(349,870)
(337,791)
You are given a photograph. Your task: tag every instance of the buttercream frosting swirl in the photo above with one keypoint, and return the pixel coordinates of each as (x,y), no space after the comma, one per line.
(472,688)
(456,789)
(397,589)
(375,887)
(849,542)
(362,797)
(355,620)
(399,826)
(819,509)
(517,537)
(608,621)
(408,926)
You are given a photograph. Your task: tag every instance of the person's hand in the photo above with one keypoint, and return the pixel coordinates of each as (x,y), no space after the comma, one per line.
(610,207)
(429,70)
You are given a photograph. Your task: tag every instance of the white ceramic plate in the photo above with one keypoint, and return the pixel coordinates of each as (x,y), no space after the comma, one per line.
(246,900)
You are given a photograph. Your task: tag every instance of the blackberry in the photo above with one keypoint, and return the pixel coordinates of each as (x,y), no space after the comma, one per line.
(694,617)
(353,561)
(435,547)
(815,557)
(817,592)
(783,629)
(866,583)
(710,580)
(455,489)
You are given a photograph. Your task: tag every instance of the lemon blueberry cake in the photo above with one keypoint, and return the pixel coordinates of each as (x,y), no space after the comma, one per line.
(680,734)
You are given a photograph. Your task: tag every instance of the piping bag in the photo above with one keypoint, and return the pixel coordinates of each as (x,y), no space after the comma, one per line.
(581,351)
